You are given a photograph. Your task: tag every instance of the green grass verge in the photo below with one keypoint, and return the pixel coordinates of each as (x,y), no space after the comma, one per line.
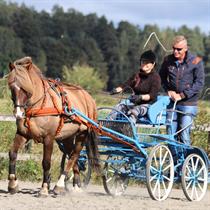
(32,169)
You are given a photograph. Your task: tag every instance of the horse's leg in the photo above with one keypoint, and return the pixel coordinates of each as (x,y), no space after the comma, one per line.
(60,185)
(46,164)
(63,160)
(76,178)
(18,142)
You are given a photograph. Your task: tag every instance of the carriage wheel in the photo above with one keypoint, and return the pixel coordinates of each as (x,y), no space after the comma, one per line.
(194,177)
(159,172)
(115,180)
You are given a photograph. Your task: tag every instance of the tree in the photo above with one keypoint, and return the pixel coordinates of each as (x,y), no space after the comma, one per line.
(129,47)
(10,49)
(84,76)
(70,38)
(106,38)
(194,38)
(25,23)
(94,57)
(56,53)
(206,53)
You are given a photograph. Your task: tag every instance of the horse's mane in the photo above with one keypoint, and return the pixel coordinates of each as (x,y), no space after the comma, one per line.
(23,73)
(27,63)
(25,70)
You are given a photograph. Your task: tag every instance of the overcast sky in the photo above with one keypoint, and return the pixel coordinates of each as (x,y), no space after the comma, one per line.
(172,13)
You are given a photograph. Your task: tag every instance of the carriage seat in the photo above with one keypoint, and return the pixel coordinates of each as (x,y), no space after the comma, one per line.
(156,114)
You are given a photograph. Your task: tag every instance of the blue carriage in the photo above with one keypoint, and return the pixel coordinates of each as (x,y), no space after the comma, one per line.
(145,152)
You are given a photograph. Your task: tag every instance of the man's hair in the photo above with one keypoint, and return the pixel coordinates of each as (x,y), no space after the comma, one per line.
(178,39)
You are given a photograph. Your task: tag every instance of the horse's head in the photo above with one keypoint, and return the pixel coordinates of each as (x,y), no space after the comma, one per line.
(20,85)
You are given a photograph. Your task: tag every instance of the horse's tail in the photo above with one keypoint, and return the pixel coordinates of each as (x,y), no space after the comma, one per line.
(92,150)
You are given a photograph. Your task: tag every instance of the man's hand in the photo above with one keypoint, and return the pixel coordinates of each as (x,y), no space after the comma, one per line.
(174,96)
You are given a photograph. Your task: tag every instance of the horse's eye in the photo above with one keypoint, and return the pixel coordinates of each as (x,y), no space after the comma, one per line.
(29,95)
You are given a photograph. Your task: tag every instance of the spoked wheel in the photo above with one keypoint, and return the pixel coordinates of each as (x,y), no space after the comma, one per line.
(160,172)
(115,180)
(194,177)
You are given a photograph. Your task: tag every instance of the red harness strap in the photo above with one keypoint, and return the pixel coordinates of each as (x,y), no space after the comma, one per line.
(36,112)
(50,111)
(47,111)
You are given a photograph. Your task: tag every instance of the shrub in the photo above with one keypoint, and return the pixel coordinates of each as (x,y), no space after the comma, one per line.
(199,136)
(7,133)
(3,168)
(29,170)
(83,76)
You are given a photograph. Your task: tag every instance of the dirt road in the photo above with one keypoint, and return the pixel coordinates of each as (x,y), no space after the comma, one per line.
(94,198)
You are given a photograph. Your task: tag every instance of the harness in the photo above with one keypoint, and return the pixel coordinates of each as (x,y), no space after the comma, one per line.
(51,111)
(66,112)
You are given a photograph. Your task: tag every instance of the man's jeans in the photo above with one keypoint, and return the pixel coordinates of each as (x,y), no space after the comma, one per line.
(180,121)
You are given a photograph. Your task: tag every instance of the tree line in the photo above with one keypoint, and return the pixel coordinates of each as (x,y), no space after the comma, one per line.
(67,38)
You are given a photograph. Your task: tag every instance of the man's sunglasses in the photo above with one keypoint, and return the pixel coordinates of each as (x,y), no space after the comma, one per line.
(178,49)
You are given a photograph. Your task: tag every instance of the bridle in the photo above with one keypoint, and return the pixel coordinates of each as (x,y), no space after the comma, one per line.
(30,110)
(27,105)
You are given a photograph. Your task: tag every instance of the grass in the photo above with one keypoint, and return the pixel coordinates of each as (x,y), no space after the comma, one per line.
(105,99)
(32,170)
(204,106)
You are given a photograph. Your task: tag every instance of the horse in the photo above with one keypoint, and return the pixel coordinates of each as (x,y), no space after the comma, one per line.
(39,108)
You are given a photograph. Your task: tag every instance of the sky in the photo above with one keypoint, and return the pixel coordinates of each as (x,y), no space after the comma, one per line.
(164,13)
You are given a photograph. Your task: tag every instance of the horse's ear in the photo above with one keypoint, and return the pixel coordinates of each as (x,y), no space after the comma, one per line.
(27,62)
(11,66)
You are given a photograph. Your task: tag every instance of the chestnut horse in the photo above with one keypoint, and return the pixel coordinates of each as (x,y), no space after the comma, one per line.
(39,108)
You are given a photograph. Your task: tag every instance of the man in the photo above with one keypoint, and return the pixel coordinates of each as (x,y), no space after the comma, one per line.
(182,76)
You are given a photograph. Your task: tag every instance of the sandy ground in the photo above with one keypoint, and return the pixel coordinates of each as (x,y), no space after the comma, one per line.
(94,198)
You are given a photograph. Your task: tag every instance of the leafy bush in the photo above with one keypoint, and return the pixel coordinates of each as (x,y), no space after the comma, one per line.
(84,76)
(199,135)
(4,89)
(3,168)
(29,170)
(26,170)
(7,133)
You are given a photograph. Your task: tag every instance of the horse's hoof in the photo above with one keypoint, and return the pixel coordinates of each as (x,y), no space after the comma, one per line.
(13,185)
(43,193)
(77,189)
(14,190)
(59,190)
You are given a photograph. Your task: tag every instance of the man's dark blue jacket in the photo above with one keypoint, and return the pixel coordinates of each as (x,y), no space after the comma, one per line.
(186,78)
